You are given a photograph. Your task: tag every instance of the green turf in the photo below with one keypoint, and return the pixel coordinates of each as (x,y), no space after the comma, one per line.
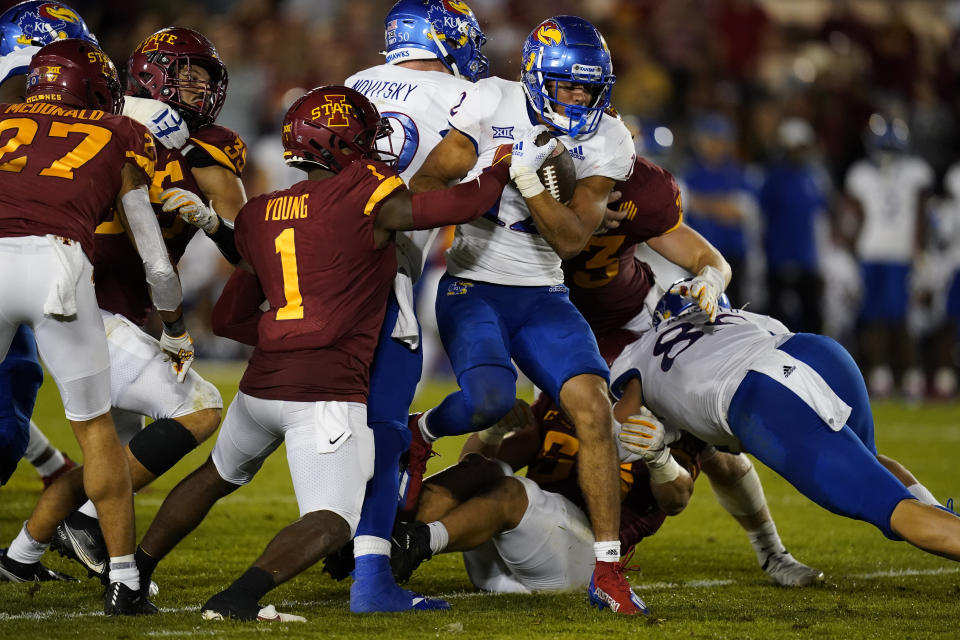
(699,575)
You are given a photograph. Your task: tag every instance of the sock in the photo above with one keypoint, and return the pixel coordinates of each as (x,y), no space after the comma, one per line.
(370,545)
(24,549)
(424,429)
(89,510)
(124,569)
(439,537)
(252,585)
(923,494)
(37,445)
(765,540)
(51,464)
(607,551)
(146,564)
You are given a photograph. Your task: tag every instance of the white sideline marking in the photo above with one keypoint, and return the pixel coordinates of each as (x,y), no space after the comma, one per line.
(48,614)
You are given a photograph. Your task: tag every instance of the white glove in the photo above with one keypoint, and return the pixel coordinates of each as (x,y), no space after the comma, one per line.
(191,208)
(705,288)
(527,159)
(180,350)
(643,434)
(162,120)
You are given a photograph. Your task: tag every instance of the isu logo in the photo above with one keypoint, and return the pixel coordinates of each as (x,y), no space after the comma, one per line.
(153,42)
(457,6)
(549,33)
(336,109)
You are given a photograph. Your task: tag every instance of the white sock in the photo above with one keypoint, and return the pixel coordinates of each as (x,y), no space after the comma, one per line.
(439,537)
(765,540)
(124,569)
(25,549)
(923,494)
(37,444)
(607,551)
(370,545)
(424,430)
(88,509)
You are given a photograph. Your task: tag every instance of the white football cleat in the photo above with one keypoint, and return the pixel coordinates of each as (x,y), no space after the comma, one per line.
(270,614)
(786,571)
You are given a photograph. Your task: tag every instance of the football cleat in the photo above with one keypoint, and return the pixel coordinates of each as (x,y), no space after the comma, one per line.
(411,480)
(269,613)
(121,600)
(62,469)
(410,546)
(374,590)
(80,539)
(609,588)
(13,571)
(786,571)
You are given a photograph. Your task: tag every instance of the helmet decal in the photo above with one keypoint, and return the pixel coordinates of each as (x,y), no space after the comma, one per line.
(549,33)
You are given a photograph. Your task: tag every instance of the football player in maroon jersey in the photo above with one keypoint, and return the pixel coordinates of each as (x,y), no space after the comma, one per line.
(74,159)
(323,259)
(182,69)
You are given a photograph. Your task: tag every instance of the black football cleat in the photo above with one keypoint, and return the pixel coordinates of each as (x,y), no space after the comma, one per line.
(13,571)
(121,600)
(79,538)
(410,546)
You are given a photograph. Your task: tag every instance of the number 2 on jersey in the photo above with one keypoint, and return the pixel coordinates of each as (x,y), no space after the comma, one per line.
(284,244)
(94,140)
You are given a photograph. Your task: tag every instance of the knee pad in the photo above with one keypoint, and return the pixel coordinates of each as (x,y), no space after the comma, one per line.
(161,445)
(490,393)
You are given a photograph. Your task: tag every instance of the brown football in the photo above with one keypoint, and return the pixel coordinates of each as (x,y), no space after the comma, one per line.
(557,173)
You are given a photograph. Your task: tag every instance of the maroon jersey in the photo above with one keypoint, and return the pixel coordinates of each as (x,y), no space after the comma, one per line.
(555,469)
(60,168)
(312,247)
(118,270)
(607,282)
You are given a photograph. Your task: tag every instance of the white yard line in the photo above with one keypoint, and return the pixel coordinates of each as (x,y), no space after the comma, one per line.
(50,614)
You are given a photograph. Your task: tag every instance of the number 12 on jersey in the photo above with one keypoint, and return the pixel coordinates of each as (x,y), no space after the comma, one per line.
(284,244)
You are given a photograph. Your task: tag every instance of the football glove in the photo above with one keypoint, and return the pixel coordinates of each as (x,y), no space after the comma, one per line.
(643,434)
(705,288)
(162,120)
(180,350)
(527,159)
(191,208)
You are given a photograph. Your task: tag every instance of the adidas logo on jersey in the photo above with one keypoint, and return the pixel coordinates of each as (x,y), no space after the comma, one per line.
(503,132)
(577,152)
(787,370)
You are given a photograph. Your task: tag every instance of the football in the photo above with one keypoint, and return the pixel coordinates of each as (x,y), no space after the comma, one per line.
(557,173)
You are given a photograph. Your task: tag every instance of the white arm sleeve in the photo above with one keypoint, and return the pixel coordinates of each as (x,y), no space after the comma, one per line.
(161,276)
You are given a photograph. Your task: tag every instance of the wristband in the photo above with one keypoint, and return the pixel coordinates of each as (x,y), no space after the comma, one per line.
(529,185)
(666,472)
(176,328)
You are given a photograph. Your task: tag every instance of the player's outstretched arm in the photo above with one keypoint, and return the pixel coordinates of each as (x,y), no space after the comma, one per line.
(449,162)
(688,249)
(567,228)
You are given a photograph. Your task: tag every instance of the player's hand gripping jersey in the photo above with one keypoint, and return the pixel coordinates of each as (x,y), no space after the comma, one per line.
(504,247)
(60,168)
(118,269)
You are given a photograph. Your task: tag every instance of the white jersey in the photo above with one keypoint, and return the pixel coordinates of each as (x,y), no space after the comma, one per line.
(417,103)
(17,62)
(888,193)
(690,369)
(503,247)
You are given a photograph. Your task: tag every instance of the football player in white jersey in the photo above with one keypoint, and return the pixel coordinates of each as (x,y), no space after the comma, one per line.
(891,187)
(432,59)
(503,296)
(796,402)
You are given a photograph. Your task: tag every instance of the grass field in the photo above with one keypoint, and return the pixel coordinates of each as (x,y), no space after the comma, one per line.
(699,574)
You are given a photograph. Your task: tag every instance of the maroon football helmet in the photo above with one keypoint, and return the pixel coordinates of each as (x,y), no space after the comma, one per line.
(331,127)
(76,73)
(163,67)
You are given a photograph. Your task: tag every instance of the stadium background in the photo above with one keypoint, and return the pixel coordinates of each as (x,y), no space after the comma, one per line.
(745,64)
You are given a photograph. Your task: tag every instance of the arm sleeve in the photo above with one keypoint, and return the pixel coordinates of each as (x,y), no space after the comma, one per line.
(237,312)
(462,203)
(161,276)
(224,239)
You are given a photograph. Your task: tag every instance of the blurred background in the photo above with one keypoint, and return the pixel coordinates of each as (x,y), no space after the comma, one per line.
(814,141)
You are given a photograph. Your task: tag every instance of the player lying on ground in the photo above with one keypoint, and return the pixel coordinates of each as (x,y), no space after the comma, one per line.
(796,402)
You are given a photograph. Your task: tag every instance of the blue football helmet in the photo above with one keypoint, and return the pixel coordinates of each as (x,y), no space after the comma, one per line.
(35,23)
(567,49)
(445,30)
(674,305)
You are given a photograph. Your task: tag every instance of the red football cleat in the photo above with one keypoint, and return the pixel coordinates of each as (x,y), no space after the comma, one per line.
(66,466)
(609,588)
(411,480)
